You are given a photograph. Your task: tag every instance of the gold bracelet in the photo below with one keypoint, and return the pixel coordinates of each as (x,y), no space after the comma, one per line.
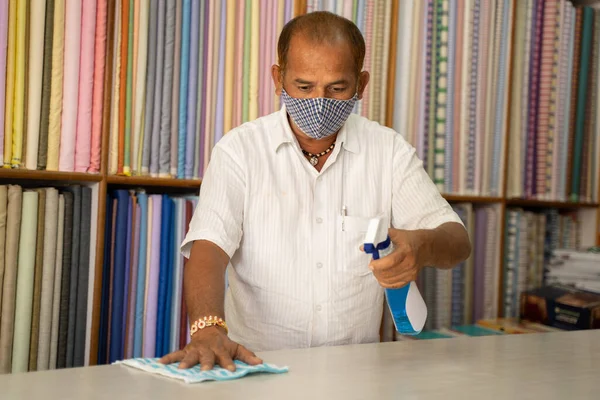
(205,322)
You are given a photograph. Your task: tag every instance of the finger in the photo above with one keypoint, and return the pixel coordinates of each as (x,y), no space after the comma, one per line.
(190,359)
(397,257)
(397,281)
(245,355)
(207,360)
(172,357)
(223,358)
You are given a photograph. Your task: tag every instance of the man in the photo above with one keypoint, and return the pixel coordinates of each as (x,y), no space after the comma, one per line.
(286,200)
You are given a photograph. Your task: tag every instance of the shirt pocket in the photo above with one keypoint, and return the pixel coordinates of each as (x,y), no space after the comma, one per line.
(351,232)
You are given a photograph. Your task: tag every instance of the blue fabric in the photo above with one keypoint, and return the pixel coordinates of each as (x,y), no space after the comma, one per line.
(168,309)
(116,332)
(162,277)
(318,117)
(141,278)
(127,271)
(195,375)
(103,332)
(183,85)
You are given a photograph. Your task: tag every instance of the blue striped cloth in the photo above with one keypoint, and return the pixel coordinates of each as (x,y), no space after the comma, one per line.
(195,375)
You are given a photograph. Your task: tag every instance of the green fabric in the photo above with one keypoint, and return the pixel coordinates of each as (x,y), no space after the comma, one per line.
(586,44)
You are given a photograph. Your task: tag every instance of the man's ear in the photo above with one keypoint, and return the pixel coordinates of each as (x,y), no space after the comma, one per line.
(363,80)
(277,76)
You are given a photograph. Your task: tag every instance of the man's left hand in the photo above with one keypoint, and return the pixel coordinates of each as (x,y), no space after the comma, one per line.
(404,263)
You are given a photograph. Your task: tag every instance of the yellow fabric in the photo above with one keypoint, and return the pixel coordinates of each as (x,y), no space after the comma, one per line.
(254,52)
(113,155)
(229,60)
(56,91)
(35,66)
(19,106)
(10,81)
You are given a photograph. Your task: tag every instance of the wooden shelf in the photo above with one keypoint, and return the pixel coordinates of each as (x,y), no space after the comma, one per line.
(151,181)
(52,176)
(457,198)
(548,204)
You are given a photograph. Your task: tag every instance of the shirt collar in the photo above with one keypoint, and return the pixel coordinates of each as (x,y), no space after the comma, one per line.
(282,133)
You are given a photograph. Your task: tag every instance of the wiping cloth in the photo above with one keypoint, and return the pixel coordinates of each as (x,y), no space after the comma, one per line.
(195,375)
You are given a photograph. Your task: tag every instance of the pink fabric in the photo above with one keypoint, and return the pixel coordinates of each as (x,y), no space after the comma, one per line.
(239,66)
(86,85)
(98,92)
(70,85)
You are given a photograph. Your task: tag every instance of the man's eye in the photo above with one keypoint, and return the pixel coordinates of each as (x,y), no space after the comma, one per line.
(338,89)
(304,88)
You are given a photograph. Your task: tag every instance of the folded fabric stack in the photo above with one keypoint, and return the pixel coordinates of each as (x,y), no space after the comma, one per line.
(45,240)
(142,310)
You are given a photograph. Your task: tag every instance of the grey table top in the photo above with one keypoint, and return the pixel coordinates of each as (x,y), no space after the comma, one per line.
(563,365)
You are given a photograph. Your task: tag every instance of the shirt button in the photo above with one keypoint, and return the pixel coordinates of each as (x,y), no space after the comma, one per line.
(319,220)
(319,265)
(319,308)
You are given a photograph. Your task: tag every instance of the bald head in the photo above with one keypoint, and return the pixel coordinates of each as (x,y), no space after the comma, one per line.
(320,28)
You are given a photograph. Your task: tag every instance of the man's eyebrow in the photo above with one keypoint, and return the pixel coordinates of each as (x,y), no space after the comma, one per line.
(302,81)
(305,82)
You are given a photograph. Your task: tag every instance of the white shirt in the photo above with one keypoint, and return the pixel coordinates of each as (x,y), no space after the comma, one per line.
(295,278)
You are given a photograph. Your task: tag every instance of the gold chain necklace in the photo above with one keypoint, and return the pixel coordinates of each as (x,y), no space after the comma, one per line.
(314,158)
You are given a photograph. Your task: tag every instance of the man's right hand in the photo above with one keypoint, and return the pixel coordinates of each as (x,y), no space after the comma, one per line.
(210,346)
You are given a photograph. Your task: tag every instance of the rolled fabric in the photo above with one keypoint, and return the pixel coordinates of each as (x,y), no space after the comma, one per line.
(254,63)
(48,271)
(183,86)
(164,167)
(57,283)
(142,248)
(131,306)
(42,154)
(176,288)
(280,22)
(18,125)
(3,205)
(37,280)
(9,284)
(126,292)
(158,89)
(113,148)
(190,137)
(86,86)
(3,56)
(220,101)
(25,277)
(239,64)
(229,62)
(152,279)
(208,100)
(98,91)
(134,57)
(34,87)
(70,85)
(74,276)
(122,104)
(56,91)
(140,96)
(175,93)
(245,81)
(11,57)
(129,94)
(83,276)
(65,282)
(146,141)
(200,106)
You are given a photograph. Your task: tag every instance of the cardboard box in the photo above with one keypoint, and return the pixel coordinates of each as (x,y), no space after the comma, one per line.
(561,307)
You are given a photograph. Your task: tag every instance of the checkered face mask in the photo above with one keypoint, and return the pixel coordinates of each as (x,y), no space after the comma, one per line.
(318,117)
